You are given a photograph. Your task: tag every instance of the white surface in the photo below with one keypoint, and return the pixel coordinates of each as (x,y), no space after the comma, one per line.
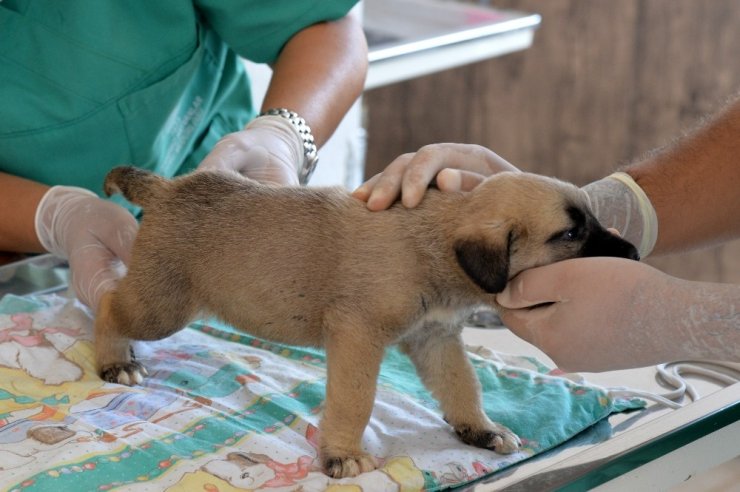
(391,70)
(629,429)
(722,478)
(419,37)
(680,465)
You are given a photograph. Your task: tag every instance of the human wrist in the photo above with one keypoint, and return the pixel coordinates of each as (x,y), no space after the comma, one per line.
(19,198)
(304,147)
(619,202)
(646,210)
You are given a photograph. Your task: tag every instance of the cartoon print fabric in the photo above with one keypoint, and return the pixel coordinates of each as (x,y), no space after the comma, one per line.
(224,411)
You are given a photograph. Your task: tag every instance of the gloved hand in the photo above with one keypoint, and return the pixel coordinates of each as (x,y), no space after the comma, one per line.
(613,313)
(619,203)
(454,166)
(94,235)
(268,150)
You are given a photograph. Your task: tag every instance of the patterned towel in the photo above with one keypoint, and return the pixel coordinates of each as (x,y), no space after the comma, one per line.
(223,411)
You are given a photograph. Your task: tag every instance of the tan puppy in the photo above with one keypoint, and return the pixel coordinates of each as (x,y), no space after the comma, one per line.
(312,266)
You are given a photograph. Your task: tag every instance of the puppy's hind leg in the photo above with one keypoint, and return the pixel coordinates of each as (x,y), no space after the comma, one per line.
(124,315)
(446,371)
(115,359)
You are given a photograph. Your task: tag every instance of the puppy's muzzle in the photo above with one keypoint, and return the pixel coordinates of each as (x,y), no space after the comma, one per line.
(604,243)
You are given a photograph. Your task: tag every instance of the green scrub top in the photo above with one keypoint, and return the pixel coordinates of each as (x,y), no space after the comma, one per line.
(86,85)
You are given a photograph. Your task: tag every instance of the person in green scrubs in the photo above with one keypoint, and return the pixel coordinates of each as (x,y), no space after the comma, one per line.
(600,314)
(87,85)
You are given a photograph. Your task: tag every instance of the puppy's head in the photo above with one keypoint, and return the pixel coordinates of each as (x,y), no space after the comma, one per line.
(515,221)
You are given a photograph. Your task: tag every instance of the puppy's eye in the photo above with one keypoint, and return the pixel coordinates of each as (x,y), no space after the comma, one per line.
(572,234)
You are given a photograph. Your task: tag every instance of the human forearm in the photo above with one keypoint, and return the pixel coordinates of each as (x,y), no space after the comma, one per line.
(679,319)
(710,327)
(18,201)
(693,184)
(320,73)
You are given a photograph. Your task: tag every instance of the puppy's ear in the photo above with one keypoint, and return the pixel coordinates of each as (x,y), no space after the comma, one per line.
(486,264)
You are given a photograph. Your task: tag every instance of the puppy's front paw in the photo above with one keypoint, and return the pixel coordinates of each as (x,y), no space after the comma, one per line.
(349,466)
(128,373)
(496,437)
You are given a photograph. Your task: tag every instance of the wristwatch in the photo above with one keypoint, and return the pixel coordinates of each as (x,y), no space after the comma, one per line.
(310,151)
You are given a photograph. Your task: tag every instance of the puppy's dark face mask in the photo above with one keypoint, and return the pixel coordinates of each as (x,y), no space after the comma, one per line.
(589,238)
(516,221)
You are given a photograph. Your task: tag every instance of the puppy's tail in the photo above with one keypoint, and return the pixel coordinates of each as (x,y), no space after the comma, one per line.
(140,187)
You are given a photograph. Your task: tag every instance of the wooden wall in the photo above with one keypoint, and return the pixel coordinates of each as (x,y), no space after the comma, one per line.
(604,82)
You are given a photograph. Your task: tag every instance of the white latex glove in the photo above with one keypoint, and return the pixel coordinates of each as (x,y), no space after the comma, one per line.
(613,313)
(619,203)
(454,166)
(268,150)
(94,235)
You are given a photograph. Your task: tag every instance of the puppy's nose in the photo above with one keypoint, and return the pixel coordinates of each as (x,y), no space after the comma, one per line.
(628,250)
(603,243)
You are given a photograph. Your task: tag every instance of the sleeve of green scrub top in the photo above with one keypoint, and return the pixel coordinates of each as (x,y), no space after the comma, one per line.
(257,29)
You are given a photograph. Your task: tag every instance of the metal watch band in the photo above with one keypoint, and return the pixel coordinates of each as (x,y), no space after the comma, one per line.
(310,151)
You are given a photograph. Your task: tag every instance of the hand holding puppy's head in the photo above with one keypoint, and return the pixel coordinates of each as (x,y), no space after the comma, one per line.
(515,221)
